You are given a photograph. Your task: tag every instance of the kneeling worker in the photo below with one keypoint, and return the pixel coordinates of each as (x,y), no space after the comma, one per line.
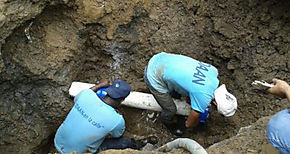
(167,74)
(94,120)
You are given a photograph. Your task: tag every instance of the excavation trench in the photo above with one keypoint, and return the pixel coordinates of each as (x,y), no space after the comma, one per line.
(89,40)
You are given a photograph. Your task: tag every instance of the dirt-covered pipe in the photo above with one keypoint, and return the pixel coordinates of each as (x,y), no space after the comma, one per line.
(188,144)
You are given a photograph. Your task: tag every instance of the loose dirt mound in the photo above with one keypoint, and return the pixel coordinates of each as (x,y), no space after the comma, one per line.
(250,139)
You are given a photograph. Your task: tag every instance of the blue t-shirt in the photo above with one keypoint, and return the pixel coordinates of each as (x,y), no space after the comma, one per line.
(87,124)
(171,72)
(278,131)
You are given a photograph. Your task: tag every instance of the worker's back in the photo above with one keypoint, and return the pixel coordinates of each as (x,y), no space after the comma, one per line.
(87,124)
(184,75)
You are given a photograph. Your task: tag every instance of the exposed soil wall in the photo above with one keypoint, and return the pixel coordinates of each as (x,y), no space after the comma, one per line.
(87,40)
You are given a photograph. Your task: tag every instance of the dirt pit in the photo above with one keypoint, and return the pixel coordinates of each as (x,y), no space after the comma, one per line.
(144,123)
(141,123)
(87,40)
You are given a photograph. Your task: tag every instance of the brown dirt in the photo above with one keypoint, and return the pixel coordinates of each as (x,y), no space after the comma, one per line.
(251,139)
(87,40)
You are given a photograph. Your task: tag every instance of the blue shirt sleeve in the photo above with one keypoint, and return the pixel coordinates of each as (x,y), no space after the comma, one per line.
(119,128)
(199,101)
(278,131)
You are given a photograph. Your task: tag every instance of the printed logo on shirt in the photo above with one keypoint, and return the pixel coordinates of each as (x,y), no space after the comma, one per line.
(199,76)
(87,117)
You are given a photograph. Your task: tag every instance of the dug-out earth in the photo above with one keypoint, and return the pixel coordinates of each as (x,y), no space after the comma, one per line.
(47,44)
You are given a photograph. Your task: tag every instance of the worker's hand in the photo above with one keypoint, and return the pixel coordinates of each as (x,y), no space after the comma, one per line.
(280,88)
(104,83)
(100,84)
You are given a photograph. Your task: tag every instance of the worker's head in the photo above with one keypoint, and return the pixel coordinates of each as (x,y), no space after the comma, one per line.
(226,102)
(118,91)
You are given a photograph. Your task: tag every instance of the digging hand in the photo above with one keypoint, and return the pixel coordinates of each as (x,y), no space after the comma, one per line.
(280,89)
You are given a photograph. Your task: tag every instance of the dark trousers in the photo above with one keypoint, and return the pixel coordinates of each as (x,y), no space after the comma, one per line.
(164,100)
(117,143)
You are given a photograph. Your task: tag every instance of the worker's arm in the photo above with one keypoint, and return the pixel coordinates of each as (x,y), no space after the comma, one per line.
(288,94)
(192,120)
(118,130)
(103,83)
(281,89)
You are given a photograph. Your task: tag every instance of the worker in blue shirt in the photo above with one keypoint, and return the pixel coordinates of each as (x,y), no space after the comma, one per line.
(93,123)
(278,129)
(169,74)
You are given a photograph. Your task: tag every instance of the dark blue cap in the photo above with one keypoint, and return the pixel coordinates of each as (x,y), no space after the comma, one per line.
(119,89)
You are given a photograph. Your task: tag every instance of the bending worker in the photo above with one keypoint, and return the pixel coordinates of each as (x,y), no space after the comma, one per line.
(93,122)
(278,129)
(167,74)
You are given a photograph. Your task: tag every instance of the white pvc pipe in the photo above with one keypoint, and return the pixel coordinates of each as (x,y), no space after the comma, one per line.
(136,99)
(147,101)
(188,144)
(77,87)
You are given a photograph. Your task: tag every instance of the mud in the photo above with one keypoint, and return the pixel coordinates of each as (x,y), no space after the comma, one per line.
(86,40)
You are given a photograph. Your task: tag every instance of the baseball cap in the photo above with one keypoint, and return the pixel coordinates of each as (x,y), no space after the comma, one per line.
(119,89)
(226,102)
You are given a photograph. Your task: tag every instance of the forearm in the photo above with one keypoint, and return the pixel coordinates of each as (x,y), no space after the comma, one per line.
(192,120)
(287,93)
(191,124)
(100,85)
(95,88)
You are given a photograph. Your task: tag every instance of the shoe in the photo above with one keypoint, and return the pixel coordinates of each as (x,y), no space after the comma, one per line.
(151,139)
(178,132)
(173,129)
(142,142)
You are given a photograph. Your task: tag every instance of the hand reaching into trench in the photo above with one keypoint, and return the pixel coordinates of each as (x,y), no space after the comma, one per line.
(281,89)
